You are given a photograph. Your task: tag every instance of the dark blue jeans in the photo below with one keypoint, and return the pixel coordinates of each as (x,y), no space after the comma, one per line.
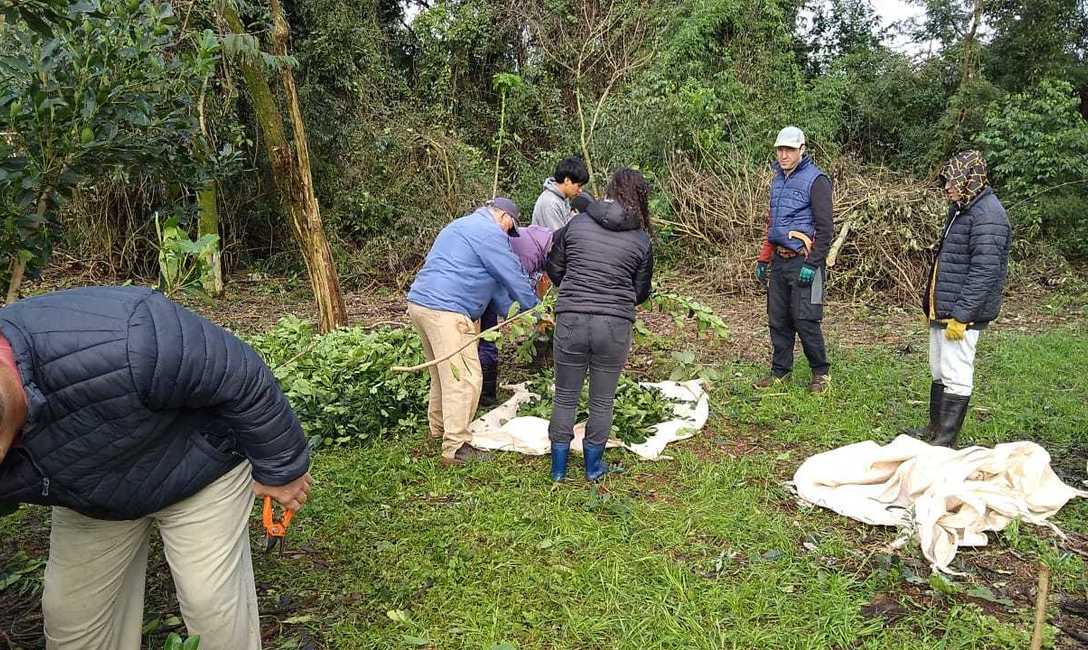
(489,352)
(587,343)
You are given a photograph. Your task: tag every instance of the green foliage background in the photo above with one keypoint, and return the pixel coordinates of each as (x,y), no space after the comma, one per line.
(402,114)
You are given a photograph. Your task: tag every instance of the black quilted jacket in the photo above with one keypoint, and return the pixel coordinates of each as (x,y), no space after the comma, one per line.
(136,403)
(602,262)
(972,262)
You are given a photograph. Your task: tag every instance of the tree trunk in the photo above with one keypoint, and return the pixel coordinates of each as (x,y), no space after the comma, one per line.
(498,149)
(211,277)
(291,167)
(208,224)
(582,139)
(18,268)
(970,45)
(18,261)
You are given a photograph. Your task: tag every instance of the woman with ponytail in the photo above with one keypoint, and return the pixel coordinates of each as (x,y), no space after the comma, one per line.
(602,263)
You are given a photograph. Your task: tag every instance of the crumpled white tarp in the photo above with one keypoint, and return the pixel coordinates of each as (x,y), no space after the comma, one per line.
(500,429)
(949,498)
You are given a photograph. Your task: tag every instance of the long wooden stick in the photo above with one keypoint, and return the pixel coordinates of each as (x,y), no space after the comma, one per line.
(1040,606)
(435,362)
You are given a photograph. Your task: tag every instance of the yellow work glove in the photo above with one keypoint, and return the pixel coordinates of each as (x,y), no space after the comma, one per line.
(955,330)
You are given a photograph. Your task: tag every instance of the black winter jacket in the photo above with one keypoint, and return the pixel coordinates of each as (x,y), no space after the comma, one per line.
(971,262)
(136,403)
(602,262)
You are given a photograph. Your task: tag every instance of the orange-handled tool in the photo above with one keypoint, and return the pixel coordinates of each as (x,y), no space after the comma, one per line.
(274,531)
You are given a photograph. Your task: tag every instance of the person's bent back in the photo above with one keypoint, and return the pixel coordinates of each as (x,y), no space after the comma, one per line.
(134,411)
(135,403)
(470,266)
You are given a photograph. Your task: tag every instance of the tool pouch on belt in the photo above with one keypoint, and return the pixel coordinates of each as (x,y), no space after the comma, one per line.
(808,302)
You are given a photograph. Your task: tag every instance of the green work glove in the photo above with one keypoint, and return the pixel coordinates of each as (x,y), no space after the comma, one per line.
(761,272)
(807,274)
(955,331)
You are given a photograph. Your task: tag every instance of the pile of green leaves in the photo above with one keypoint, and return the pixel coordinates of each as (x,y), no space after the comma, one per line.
(340,385)
(635,412)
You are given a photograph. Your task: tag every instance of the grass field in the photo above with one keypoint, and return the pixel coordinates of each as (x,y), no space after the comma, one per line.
(709,550)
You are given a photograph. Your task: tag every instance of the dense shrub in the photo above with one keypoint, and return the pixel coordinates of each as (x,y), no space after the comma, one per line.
(1037,145)
(340,384)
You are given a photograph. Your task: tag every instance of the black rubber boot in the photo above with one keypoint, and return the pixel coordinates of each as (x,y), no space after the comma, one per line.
(950,420)
(489,395)
(936,394)
(542,352)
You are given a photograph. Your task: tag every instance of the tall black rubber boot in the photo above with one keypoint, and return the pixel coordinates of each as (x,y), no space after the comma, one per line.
(936,394)
(950,421)
(489,395)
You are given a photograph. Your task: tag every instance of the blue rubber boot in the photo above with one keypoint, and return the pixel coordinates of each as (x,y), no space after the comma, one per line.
(560,451)
(595,465)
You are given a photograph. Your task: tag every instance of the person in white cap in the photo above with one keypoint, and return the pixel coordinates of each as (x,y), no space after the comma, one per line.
(792,268)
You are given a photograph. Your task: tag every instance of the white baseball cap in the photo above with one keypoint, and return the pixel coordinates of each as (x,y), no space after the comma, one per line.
(791,137)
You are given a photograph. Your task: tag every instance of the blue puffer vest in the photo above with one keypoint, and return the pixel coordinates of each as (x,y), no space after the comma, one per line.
(791,205)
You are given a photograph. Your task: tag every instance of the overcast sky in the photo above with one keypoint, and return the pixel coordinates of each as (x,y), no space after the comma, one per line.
(890,12)
(893,11)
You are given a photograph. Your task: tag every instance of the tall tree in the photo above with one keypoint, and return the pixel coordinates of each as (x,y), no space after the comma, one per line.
(290,159)
(600,45)
(1035,40)
(836,28)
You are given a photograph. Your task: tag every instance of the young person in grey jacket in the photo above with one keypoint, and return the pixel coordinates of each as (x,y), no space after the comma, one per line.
(602,263)
(553,206)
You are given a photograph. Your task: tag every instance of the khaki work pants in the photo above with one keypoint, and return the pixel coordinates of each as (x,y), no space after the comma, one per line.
(456,383)
(94,581)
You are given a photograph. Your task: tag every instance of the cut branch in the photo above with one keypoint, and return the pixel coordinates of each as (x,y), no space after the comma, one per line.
(435,362)
(839,241)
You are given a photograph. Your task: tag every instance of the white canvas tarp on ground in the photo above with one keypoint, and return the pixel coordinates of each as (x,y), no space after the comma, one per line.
(500,429)
(948,497)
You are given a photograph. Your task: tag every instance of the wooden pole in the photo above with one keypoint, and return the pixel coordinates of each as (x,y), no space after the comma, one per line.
(1040,606)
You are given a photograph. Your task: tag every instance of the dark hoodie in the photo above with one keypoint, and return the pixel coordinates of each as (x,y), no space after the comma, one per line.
(602,262)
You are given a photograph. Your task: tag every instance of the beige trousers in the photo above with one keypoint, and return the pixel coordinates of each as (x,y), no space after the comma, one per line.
(456,383)
(94,581)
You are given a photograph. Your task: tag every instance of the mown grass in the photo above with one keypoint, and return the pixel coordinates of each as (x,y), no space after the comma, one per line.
(709,550)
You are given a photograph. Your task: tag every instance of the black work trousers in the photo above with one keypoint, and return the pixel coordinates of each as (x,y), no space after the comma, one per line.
(591,343)
(792,311)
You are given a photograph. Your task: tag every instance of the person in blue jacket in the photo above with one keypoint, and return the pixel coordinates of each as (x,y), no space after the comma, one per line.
(470,264)
(964,291)
(122,410)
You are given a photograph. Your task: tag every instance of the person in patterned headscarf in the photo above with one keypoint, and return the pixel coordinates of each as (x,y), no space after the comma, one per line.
(963,292)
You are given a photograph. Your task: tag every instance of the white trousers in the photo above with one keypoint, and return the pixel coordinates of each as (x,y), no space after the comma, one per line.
(953,362)
(94,581)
